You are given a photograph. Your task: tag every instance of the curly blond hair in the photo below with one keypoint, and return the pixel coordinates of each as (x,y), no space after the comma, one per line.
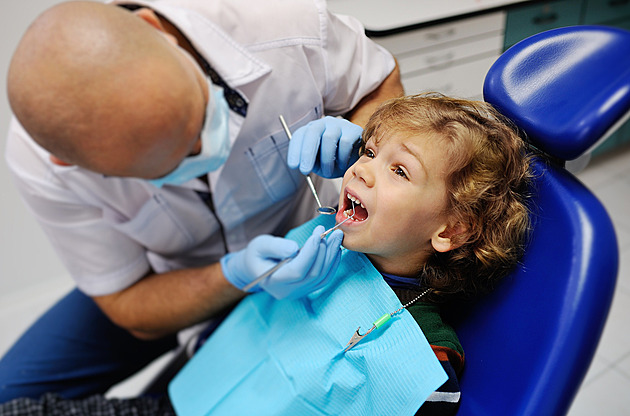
(488,186)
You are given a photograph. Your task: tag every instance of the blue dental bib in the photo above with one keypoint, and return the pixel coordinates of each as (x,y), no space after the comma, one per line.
(286,357)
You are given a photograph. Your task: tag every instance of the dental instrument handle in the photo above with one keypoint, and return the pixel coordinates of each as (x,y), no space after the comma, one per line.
(285,126)
(309,181)
(330,230)
(269,272)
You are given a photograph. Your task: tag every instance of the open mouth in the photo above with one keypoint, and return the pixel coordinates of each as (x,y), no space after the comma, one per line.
(354,205)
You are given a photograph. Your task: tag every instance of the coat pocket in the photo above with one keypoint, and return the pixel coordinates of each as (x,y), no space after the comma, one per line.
(269,158)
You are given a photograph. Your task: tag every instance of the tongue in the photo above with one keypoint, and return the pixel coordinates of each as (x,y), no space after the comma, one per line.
(360,213)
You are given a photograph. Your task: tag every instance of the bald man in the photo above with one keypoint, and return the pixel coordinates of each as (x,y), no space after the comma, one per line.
(146,142)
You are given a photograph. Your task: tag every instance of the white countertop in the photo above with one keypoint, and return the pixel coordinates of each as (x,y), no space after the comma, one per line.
(383,15)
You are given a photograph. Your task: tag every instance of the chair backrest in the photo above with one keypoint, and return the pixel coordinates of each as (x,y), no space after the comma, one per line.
(529,343)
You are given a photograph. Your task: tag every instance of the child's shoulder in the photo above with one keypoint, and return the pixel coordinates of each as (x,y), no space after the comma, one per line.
(438,333)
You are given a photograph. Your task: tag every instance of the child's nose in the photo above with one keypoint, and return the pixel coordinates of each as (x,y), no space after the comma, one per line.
(364,172)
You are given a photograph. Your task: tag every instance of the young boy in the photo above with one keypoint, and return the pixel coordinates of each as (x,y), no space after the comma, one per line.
(437,202)
(440,195)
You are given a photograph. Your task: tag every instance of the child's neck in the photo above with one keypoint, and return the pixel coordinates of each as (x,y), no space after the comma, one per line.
(400,268)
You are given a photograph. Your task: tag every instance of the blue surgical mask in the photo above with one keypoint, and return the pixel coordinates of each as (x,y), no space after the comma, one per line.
(215,143)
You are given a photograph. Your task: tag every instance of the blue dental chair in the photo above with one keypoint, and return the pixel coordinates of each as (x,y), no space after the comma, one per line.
(529,344)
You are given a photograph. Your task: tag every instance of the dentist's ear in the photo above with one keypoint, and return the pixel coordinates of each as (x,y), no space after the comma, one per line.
(153,19)
(444,239)
(54,159)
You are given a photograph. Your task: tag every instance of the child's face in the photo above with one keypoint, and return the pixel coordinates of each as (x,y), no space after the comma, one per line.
(400,181)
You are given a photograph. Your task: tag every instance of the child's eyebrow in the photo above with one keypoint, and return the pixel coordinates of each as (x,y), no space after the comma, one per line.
(416,155)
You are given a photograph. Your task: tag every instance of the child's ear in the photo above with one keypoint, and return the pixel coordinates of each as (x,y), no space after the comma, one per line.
(443,240)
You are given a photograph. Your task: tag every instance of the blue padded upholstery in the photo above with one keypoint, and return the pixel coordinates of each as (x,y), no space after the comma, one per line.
(529,343)
(564,87)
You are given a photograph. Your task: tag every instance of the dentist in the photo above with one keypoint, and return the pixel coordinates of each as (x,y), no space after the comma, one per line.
(146,142)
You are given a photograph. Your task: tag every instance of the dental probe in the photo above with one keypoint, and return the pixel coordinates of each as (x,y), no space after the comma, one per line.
(292,256)
(309,181)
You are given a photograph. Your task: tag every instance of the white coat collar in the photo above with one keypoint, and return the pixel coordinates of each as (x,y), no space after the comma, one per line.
(230,59)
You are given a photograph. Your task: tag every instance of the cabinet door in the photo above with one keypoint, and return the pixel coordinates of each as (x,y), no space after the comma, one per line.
(432,37)
(624,24)
(526,21)
(618,138)
(605,11)
(465,80)
(442,58)
(451,58)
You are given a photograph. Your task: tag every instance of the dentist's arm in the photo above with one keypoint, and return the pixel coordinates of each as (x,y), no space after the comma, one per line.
(391,87)
(162,304)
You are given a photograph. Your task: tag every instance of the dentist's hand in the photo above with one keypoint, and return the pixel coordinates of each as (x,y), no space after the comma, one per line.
(327,146)
(310,270)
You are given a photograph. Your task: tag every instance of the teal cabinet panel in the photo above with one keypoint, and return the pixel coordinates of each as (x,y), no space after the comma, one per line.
(524,21)
(609,144)
(624,24)
(619,138)
(624,134)
(604,11)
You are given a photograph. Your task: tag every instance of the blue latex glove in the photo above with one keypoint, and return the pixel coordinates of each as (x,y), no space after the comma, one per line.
(327,146)
(310,270)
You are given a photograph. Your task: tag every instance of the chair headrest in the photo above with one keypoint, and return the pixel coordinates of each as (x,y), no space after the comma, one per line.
(566,88)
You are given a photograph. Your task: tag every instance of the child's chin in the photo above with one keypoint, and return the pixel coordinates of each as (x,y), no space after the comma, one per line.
(349,244)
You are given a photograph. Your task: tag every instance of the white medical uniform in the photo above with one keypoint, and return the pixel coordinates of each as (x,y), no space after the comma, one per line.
(287,57)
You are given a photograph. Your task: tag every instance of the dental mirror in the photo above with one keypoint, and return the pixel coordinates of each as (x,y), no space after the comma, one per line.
(326,210)
(309,181)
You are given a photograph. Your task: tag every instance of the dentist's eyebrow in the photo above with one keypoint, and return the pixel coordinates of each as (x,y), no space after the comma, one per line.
(416,155)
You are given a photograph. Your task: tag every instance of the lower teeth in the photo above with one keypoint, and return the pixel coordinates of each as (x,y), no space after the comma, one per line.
(349,213)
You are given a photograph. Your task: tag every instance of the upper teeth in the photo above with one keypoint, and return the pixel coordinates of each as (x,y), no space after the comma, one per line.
(355,200)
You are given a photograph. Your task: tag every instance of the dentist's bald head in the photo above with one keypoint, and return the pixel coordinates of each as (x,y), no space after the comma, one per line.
(99,87)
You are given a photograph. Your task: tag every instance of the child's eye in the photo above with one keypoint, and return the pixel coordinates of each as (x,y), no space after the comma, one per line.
(400,172)
(368,153)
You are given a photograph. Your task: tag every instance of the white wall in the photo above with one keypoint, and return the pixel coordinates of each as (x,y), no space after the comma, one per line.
(31,276)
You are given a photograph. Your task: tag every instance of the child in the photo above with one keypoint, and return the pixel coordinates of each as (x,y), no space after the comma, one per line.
(441,189)
(438,206)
